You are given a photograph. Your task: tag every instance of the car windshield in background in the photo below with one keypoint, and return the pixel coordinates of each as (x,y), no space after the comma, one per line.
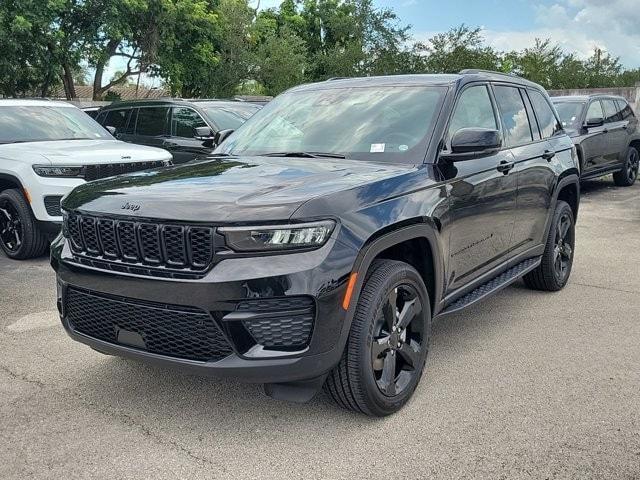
(386,123)
(230,116)
(569,113)
(40,123)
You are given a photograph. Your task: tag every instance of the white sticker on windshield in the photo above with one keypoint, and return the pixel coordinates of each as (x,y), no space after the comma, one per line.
(377,148)
(403,148)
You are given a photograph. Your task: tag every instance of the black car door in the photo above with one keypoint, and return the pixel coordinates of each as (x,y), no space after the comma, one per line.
(536,164)
(183,143)
(592,145)
(482,193)
(615,134)
(151,127)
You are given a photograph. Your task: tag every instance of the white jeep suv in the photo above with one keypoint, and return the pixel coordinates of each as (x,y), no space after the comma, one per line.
(46,149)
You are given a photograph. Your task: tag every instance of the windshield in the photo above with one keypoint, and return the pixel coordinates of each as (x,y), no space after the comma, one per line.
(43,123)
(569,113)
(379,123)
(230,116)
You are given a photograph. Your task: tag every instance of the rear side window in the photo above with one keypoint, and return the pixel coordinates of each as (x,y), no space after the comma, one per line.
(474,110)
(152,121)
(625,109)
(184,120)
(611,113)
(547,120)
(514,115)
(595,110)
(117,119)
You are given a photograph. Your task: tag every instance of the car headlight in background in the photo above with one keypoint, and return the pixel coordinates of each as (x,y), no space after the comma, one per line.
(60,171)
(278,237)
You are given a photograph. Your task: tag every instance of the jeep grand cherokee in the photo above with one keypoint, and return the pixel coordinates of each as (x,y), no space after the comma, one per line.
(322,238)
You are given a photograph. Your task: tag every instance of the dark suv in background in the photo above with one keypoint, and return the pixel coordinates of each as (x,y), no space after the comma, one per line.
(184,128)
(322,238)
(605,132)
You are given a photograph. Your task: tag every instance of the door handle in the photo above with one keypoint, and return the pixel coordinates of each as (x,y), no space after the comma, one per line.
(169,144)
(625,127)
(605,130)
(505,167)
(548,155)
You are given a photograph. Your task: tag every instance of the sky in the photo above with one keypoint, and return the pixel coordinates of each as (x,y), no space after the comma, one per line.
(576,25)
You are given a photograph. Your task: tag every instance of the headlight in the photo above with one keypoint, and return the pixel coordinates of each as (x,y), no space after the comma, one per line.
(62,171)
(278,237)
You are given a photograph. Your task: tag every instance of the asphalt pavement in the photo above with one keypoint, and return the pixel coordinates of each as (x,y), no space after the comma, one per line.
(523,385)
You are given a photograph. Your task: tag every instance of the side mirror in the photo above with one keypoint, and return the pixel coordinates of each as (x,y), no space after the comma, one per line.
(202,133)
(111,130)
(475,140)
(594,122)
(222,135)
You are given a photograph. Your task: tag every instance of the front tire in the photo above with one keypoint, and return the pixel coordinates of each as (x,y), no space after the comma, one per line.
(629,173)
(553,272)
(20,237)
(388,342)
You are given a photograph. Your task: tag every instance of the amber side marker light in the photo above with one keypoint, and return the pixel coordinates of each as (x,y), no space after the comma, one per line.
(27,195)
(350,286)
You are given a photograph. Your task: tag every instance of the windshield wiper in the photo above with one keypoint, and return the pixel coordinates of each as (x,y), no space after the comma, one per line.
(304,154)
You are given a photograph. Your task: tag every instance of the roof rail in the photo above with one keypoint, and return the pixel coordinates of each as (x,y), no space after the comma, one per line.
(467,71)
(335,78)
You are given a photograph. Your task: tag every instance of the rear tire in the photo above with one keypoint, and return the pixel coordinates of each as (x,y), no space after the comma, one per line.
(20,237)
(388,342)
(553,272)
(629,173)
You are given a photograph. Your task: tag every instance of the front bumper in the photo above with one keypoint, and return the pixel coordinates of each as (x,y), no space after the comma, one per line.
(320,275)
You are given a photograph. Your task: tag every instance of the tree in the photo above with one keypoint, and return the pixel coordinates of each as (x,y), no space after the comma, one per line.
(281,62)
(187,47)
(459,48)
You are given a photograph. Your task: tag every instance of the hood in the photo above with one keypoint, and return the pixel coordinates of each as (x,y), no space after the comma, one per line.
(227,190)
(87,152)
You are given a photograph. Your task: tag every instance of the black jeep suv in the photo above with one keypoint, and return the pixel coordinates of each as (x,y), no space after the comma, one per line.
(322,238)
(186,128)
(605,132)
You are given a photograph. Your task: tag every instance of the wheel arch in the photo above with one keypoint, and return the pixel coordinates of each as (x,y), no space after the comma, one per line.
(9,181)
(401,242)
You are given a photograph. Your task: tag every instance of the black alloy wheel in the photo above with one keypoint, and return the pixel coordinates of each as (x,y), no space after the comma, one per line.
(563,247)
(555,265)
(397,342)
(11,229)
(629,173)
(20,237)
(388,342)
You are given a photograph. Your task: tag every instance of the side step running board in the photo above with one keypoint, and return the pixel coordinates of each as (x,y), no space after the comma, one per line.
(492,286)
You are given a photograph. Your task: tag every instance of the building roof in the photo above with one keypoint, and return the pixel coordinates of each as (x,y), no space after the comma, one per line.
(125,92)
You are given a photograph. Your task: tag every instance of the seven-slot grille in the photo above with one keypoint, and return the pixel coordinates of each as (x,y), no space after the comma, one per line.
(95,172)
(181,248)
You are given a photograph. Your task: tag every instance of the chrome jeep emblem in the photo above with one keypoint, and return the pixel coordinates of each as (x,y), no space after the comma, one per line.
(130,206)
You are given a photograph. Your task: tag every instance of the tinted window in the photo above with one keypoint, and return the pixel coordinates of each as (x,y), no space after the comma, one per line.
(473,110)
(595,110)
(152,121)
(230,116)
(569,113)
(117,119)
(387,123)
(625,109)
(611,113)
(547,120)
(184,120)
(514,115)
(40,123)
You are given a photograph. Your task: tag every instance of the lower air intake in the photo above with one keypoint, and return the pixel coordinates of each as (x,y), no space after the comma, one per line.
(171,330)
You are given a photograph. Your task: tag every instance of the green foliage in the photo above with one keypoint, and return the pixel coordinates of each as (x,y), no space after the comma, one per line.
(455,50)
(224,47)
